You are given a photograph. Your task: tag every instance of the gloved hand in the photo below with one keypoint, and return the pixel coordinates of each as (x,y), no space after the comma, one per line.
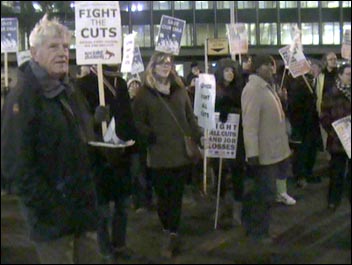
(223,116)
(102,114)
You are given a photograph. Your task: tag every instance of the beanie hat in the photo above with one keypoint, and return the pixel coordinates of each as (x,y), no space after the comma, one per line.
(133,80)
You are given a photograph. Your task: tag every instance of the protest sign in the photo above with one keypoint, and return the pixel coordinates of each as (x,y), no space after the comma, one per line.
(223,140)
(23,57)
(204,107)
(128,53)
(295,61)
(218,47)
(9,35)
(238,38)
(170,35)
(137,66)
(346,45)
(98,32)
(343,130)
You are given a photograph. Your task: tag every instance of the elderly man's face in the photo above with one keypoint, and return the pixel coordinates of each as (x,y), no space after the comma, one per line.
(53,56)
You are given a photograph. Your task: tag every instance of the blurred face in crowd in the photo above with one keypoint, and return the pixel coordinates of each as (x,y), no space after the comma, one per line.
(247,65)
(163,68)
(195,70)
(229,75)
(53,56)
(316,70)
(266,71)
(331,59)
(346,76)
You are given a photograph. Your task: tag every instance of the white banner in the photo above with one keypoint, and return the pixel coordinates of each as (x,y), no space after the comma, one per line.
(223,140)
(23,57)
(343,130)
(138,66)
(296,62)
(128,53)
(238,38)
(98,32)
(170,35)
(204,107)
(9,35)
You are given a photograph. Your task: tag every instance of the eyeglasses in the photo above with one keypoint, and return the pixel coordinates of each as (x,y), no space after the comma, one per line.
(165,63)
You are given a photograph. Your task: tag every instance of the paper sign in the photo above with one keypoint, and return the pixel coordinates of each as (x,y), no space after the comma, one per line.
(343,130)
(138,66)
(170,35)
(9,35)
(238,38)
(128,53)
(98,32)
(346,45)
(296,62)
(223,140)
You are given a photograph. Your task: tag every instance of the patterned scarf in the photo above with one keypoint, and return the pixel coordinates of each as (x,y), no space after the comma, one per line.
(345,90)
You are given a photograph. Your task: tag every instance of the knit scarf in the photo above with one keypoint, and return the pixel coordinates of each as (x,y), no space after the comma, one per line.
(345,90)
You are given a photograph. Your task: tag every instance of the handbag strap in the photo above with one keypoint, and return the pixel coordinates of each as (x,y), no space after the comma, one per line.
(171,113)
(106,81)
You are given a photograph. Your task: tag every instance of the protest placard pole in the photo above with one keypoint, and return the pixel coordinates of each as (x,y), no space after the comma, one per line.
(206,132)
(218,195)
(101,94)
(283,79)
(308,85)
(6,72)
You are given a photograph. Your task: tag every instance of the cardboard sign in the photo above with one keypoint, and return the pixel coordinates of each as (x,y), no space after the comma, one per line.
(296,62)
(238,38)
(346,45)
(204,107)
(343,130)
(9,35)
(223,140)
(170,35)
(218,47)
(98,32)
(128,53)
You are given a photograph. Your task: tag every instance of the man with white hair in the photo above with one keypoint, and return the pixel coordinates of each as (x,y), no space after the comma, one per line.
(54,182)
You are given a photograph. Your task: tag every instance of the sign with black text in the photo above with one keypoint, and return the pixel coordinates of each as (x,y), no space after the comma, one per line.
(9,35)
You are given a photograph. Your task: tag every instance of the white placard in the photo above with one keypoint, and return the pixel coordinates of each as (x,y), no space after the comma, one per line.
(23,57)
(204,107)
(170,35)
(98,32)
(238,38)
(223,140)
(128,53)
(343,130)
(9,35)
(296,62)
(346,45)
(138,66)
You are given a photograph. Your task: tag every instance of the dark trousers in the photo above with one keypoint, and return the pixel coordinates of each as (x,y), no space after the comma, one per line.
(257,202)
(340,178)
(169,187)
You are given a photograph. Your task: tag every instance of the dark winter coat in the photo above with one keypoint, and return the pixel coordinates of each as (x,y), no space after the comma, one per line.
(55,183)
(166,148)
(335,107)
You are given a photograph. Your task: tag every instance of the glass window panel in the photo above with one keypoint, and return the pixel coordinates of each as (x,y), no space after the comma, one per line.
(246,4)
(180,69)
(162,5)
(331,33)
(287,30)
(187,39)
(330,4)
(124,6)
(267,4)
(223,4)
(137,6)
(268,33)
(346,3)
(204,31)
(183,5)
(288,4)
(346,26)
(310,33)
(204,4)
(143,36)
(309,4)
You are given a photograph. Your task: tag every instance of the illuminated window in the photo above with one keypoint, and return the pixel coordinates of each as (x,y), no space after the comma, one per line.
(137,6)
(161,5)
(124,6)
(143,36)
(287,31)
(204,4)
(204,31)
(267,4)
(288,4)
(251,30)
(331,33)
(187,39)
(268,33)
(346,3)
(246,4)
(346,26)
(309,4)
(183,5)
(310,33)
(223,4)
(330,4)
